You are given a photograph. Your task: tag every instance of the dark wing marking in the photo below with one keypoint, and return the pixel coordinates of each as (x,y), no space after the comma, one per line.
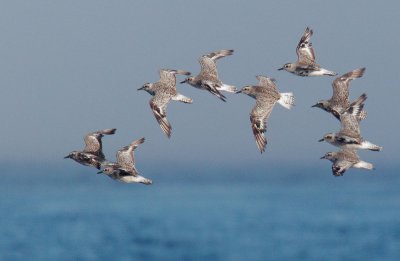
(258,118)
(304,50)
(158,106)
(211,87)
(340,167)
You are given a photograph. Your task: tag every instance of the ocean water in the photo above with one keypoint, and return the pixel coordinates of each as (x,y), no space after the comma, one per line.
(74,214)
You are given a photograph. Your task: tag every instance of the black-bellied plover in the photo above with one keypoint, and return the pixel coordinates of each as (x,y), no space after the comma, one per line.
(306,65)
(339,102)
(92,155)
(266,95)
(208,79)
(344,159)
(124,169)
(163,92)
(349,135)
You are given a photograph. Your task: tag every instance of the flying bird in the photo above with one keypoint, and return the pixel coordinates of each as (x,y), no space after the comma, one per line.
(306,65)
(345,159)
(92,155)
(339,102)
(124,169)
(163,92)
(266,95)
(349,135)
(208,78)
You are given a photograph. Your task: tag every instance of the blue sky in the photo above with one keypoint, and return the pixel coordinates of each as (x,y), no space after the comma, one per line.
(72,67)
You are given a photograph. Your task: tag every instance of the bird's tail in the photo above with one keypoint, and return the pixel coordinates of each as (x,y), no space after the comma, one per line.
(145,181)
(327,72)
(286,100)
(228,88)
(182,98)
(135,179)
(370,146)
(364,165)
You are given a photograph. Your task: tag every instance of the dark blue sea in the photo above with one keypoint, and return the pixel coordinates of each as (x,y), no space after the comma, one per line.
(54,213)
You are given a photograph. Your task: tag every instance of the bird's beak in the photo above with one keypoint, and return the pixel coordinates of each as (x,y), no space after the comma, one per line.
(184,81)
(100,172)
(141,88)
(315,105)
(68,156)
(323,157)
(321,140)
(240,91)
(280,69)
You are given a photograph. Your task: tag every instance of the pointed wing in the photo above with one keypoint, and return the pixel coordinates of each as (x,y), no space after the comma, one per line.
(93,141)
(170,73)
(212,88)
(158,105)
(341,84)
(304,50)
(219,54)
(258,118)
(267,82)
(350,128)
(126,158)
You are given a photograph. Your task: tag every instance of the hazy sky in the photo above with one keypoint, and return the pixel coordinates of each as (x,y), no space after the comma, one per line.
(72,67)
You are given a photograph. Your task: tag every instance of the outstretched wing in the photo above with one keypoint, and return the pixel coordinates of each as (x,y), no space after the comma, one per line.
(158,105)
(208,69)
(350,128)
(169,75)
(208,63)
(126,158)
(258,118)
(304,50)
(267,82)
(341,84)
(219,54)
(93,141)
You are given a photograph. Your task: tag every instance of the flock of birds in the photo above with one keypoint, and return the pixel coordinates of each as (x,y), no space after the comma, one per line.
(266,94)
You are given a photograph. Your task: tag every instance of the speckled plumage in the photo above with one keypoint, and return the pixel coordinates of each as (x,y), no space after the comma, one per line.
(266,95)
(208,78)
(339,102)
(124,169)
(92,155)
(349,135)
(163,92)
(345,159)
(306,65)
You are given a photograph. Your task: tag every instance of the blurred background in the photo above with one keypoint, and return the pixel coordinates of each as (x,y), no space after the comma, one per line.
(73,67)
